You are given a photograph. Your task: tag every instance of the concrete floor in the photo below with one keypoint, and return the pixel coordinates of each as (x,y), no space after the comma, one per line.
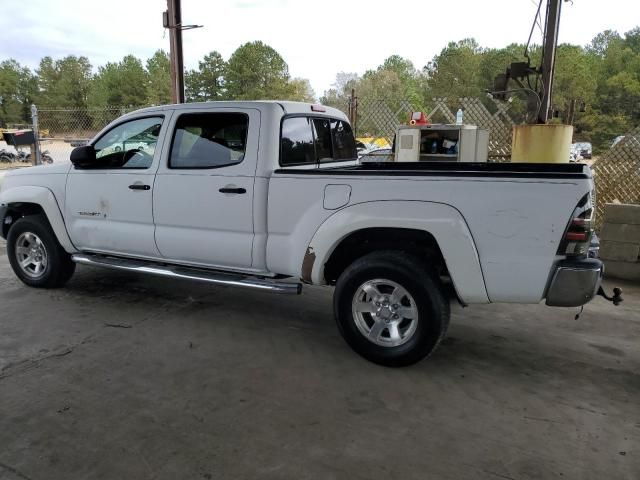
(125,377)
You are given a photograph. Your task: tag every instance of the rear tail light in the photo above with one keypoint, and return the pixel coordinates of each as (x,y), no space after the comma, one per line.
(577,236)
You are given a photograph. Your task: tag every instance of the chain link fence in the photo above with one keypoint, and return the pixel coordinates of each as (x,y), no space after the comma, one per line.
(63,129)
(617,174)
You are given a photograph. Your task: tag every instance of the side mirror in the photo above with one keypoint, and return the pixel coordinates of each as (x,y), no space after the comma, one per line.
(83,157)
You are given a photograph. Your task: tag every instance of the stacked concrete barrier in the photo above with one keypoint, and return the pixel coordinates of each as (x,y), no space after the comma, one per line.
(620,241)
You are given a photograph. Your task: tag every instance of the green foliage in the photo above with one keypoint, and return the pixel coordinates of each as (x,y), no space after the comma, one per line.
(455,71)
(299,90)
(18,89)
(338,95)
(574,78)
(159,79)
(604,76)
(206,83)
(65,82)
(256,71)
(120,84)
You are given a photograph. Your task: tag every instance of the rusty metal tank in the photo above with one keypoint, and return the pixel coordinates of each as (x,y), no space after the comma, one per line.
(541,143)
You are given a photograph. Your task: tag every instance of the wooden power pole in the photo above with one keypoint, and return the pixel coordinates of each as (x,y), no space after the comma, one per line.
(173,21)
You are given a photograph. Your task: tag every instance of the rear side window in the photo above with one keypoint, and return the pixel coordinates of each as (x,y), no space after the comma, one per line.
(209,140)
(322,137)
(344,145)
(296,143)
(313,140)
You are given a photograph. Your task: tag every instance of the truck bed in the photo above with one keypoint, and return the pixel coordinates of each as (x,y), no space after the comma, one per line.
(515,213)
(448,169)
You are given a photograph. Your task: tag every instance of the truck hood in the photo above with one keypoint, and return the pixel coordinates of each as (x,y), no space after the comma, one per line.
(42,175)
(40,170)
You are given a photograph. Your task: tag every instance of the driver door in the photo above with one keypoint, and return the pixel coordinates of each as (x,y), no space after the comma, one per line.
(108,206)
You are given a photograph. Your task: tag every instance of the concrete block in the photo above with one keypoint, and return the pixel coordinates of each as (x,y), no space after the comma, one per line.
(623,270)
(622,213)
(621,232)
(622,252)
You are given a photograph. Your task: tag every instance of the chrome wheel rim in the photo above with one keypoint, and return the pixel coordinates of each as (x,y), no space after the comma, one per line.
(385,312)
(31,255)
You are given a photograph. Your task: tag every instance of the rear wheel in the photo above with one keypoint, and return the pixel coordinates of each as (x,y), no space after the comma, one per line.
(35,255)
(389,309)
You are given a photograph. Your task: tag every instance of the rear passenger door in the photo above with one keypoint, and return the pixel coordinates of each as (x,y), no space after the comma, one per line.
(203,193)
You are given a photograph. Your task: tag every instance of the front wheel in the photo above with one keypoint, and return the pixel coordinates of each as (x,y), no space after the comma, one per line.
(35,255)
(390,309)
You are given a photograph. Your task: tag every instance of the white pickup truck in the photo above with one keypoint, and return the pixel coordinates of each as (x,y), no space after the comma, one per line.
(269,195)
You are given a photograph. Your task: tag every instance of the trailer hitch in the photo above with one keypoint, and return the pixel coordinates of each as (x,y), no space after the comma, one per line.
(616,299)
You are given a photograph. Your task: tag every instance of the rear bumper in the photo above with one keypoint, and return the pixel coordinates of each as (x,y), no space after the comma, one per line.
(575,282)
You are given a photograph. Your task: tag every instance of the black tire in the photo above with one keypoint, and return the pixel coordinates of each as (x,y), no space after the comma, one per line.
(59,267)
(409,273)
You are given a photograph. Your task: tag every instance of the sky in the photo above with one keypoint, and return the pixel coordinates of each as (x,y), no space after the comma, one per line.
(317,39)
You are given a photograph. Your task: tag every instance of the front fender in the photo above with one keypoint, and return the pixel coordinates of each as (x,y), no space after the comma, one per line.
(444,222)
(46,199)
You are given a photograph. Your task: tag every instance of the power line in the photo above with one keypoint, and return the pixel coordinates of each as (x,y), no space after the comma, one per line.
(533,26)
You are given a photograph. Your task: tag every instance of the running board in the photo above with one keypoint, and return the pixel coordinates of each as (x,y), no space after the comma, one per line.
(185,273)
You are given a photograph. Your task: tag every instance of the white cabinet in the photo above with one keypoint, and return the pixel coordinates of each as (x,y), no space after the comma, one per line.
(449,143)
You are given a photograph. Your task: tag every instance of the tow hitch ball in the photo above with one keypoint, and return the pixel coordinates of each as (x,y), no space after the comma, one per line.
(616,299)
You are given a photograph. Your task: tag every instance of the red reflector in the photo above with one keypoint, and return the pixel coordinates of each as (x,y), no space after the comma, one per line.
(577,236)
(318,108)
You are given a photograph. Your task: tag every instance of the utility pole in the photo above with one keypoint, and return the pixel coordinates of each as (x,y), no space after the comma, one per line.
(173,21)
(551,28)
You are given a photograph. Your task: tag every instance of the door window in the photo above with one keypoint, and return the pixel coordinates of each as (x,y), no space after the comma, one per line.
(209,140)
(129,145)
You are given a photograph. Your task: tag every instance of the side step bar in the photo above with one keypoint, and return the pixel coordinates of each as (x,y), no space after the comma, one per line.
(185,273)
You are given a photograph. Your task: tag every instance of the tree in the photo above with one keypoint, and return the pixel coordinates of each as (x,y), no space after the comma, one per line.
(300,91)
(65,82)
(159,83)
(413,83)
(454,72)
(601,41)
(121,84)
(256,71)
(338,95)
(206,83)
(615,69)
(18,89)
(573,77)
